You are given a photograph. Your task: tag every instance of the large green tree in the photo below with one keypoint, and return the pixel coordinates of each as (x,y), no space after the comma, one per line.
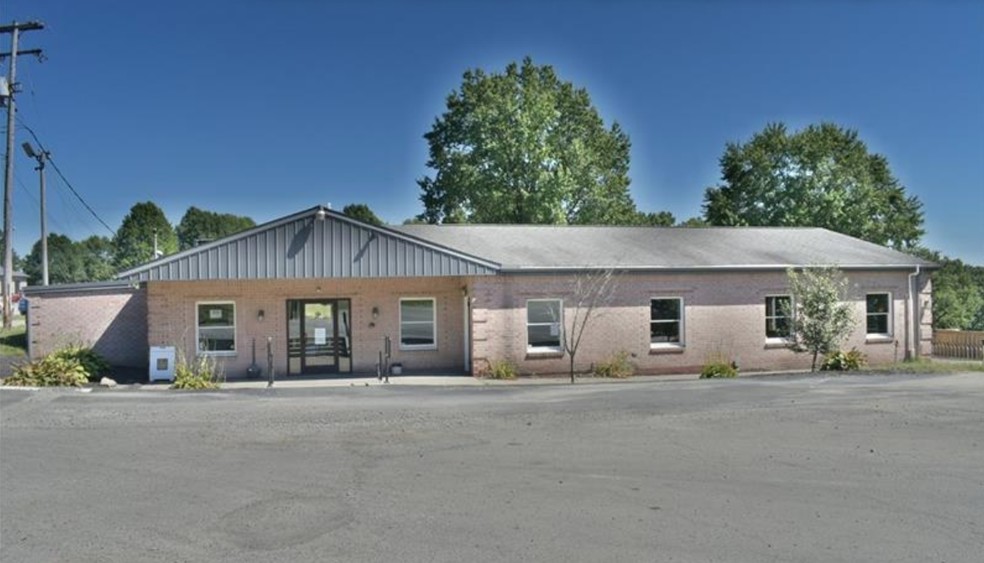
(134,241)
(958,292)
(97,258)
(198,225)
(821,176)
(65,263)
(362,212)
(70,261)
(524,146)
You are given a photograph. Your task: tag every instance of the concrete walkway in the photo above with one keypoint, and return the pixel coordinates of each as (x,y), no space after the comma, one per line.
(416,380)
(440,380)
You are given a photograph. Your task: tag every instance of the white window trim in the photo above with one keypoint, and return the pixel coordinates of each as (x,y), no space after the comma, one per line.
(433,323)
(683,316)
(559,323)
(890,316)
(779,339)
(235,333)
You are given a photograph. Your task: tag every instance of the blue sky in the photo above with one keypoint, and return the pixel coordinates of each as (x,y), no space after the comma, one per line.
(266,107)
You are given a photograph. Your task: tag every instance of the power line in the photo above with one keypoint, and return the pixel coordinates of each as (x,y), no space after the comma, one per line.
(64,179)
(37,206)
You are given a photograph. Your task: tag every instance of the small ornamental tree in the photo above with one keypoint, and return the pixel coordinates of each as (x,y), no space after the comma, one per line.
(591,292)
(821,318)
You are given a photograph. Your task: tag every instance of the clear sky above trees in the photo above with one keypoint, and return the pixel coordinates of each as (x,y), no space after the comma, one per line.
(276,106)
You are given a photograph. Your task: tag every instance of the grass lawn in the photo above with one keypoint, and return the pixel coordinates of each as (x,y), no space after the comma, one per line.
(13,342)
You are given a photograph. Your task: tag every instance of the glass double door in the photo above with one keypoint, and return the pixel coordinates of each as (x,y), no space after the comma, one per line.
(319,336)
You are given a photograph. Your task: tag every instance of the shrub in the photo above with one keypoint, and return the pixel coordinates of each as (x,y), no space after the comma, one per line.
(95,366)
(718,369)
(202,374)
(617,366)
(844,361)
(50,371)
(500,369)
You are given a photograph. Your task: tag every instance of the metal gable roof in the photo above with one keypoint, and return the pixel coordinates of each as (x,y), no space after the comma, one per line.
(315,243)
(545,248)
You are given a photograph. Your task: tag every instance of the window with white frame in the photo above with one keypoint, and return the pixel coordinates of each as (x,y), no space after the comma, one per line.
(666,322)
(544,325)
(878,318)
(216,327)
(778,311)
(418,323)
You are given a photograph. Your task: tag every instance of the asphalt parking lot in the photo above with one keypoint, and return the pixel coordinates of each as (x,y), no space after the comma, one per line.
(805,468)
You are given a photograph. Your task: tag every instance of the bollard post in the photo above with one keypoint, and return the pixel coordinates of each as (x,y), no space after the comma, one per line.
(387,345)
(270,361)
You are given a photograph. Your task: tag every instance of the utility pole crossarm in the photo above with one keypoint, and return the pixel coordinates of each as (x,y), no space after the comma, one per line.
(24,26)
(35,52)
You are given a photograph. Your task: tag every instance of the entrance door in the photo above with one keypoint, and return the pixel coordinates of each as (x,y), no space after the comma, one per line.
(318,336)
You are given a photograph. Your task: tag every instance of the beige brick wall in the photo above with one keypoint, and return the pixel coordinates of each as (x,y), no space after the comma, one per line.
(724,317)
(112,321)
(172,310)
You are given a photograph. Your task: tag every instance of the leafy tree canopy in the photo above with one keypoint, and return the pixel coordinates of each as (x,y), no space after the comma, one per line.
(693,222)
(958,292)
(17,259)
(822,318)
(65,264)
(361,212)
(134,241)
(524,146)
(655,219)
(70,261)
(822,176)
(199,225)
(97,258)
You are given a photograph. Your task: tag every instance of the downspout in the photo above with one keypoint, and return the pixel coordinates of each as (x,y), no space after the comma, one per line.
(912,332)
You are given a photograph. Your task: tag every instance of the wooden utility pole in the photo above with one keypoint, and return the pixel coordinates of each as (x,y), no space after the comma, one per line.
(41,156)
(14,30)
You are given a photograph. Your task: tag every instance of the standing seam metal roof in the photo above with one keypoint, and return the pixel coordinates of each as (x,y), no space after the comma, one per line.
(316,243)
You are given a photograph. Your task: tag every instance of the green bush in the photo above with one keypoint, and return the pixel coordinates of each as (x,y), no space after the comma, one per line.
(93,364)
(202,374)
(500,369)
(844,361)
(50,371)
(718,369)
(617,366)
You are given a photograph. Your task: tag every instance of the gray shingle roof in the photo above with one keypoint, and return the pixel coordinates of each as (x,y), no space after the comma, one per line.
(533,247)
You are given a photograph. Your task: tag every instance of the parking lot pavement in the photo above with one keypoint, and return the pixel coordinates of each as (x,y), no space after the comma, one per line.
(798,468)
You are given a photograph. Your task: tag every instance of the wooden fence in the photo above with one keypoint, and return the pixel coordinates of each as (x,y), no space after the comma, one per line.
(965,344)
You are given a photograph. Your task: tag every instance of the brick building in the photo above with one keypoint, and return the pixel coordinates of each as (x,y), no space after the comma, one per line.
(327,292)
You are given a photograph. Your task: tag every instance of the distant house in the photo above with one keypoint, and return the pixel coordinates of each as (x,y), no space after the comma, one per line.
(327,291)
(19,278)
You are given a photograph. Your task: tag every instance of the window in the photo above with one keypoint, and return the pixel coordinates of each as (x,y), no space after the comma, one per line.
(879,314)
(216,328)
(418,324)
(666,322)
(544,325)
(778,309)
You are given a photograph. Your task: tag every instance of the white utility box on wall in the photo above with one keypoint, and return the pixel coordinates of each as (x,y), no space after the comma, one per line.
(161,363)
